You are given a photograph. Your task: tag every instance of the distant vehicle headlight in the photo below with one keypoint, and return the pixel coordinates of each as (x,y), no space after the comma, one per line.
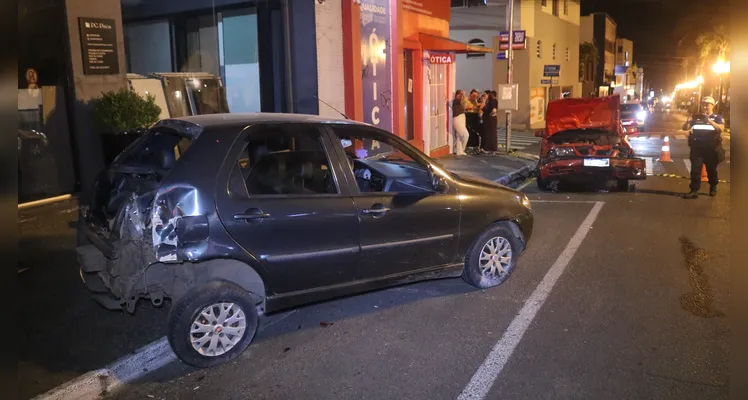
(561,152)
(641,115)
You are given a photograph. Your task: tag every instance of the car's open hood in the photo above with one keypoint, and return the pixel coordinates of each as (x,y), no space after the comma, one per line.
(594,112)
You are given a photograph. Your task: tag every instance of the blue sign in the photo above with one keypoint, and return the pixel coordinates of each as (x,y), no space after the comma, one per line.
(501,55)
(551,70)
(376,62)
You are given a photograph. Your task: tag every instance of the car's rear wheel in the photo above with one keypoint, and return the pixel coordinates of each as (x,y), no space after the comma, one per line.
(492,257)
(212,324)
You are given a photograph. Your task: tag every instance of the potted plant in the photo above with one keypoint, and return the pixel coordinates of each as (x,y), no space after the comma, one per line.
(123,116)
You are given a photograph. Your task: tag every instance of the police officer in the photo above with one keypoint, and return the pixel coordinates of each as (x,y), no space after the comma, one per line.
(705,141)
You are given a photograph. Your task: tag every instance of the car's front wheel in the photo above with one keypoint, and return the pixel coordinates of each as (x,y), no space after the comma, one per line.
(492,256)
(212,324)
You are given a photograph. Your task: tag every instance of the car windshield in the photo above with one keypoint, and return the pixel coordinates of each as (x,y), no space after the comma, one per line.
(630,108)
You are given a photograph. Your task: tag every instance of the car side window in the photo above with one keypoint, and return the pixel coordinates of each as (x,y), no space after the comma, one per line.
(380,163)
(282,159)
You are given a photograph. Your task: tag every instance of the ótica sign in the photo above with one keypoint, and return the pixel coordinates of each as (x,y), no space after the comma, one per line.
(440,59)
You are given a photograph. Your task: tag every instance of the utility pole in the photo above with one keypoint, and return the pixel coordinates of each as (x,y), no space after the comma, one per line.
(509,59)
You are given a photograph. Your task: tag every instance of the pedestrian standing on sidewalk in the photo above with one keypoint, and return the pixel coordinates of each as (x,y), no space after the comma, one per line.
(489,140)
(705,141)
(458,122)
(473,122)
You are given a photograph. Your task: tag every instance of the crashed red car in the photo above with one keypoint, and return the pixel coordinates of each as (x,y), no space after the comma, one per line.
(584,140)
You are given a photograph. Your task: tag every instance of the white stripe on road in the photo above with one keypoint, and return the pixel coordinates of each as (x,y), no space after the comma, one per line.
(524,185)
(654,136)
(680,137)
(484,378)
(688,164)
(650,165)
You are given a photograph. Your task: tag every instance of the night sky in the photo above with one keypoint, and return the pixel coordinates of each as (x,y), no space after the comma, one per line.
(655,27)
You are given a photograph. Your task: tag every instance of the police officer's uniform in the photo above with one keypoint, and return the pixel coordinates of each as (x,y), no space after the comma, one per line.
(706,150)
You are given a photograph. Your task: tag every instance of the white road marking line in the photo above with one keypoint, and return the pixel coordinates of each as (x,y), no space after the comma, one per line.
(650,165)
(484,378)
(654,136)
(565,201)
(524,185)
(688,164)
(681,137)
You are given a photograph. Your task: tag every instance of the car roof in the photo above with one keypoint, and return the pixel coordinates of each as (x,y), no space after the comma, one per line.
(212,120)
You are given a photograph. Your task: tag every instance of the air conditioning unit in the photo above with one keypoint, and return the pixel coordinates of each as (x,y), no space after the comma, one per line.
(468,3)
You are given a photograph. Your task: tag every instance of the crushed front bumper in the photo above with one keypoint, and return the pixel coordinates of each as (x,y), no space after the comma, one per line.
(570,168)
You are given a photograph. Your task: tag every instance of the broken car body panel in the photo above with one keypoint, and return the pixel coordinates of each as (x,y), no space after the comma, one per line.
(584,139)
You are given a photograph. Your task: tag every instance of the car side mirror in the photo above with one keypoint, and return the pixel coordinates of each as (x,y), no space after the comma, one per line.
(540,133)
(438,182)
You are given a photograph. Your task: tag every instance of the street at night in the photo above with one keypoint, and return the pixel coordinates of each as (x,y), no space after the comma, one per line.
(620,295)
(377,199)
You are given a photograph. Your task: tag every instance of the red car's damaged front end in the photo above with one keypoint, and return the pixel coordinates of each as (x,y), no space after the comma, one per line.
(584,140)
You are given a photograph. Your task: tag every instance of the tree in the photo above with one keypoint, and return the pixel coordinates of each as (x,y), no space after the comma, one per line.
(587,56)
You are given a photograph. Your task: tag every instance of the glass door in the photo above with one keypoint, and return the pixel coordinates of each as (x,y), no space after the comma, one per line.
(437,77)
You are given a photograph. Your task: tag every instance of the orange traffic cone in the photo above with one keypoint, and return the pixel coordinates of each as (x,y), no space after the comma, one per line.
(665,155)
(704,175)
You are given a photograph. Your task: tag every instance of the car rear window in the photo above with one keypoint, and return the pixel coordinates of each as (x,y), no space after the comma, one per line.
(160,149)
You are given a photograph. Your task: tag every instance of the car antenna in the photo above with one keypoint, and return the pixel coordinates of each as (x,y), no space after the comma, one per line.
(336,110)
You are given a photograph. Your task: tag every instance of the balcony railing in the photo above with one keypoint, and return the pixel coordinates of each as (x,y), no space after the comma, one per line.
(468,3)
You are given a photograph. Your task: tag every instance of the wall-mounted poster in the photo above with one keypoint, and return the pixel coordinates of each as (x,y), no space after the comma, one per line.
(376,56)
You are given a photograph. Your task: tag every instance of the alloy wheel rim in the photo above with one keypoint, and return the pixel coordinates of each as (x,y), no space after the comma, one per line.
(495,257)
(217,329)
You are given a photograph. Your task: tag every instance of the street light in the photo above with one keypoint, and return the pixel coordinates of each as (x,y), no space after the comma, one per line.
(721,67)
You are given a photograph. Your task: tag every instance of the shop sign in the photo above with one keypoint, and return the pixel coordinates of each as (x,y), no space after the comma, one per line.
(376,60)
(433,8)
(99,46)
(519,39)
(551,70)
(440,59)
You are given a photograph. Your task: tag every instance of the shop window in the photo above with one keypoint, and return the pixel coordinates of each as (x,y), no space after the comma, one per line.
(476,42)
(148,47)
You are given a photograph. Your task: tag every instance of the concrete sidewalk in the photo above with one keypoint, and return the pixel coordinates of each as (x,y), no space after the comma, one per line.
(505,169)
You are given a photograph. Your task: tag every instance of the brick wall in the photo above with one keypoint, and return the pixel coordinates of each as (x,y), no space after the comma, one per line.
(330,81)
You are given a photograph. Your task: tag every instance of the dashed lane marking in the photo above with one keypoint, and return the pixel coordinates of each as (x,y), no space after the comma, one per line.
(484,378)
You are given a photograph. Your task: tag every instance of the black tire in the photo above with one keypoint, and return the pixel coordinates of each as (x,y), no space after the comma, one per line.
(542,183)
(186,310)
(623,185)
(472,274)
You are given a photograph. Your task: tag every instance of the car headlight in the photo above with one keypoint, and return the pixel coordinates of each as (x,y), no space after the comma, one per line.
(641,115)
(561,152)
(526,202)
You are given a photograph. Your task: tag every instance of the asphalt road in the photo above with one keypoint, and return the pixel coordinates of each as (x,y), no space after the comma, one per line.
(620,295)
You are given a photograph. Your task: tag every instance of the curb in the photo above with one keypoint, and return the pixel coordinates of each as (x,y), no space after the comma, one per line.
(512,176)
(96,384)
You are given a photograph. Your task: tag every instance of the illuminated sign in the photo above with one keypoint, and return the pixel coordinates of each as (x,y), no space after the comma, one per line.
(440,59)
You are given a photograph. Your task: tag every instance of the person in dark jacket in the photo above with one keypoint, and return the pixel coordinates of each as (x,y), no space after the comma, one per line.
(489,140)
(705,141)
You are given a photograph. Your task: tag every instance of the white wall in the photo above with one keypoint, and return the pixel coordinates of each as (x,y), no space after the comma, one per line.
(474,73)
(330,74)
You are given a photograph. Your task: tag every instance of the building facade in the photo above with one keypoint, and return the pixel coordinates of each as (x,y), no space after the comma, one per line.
(604,35)
(552,39)
(625,70)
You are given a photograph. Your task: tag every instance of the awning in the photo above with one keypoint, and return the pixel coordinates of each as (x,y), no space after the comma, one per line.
(436,43)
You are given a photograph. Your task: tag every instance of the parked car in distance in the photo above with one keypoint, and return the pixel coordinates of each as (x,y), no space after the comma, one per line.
(634,118)
(584,140)
(235,215)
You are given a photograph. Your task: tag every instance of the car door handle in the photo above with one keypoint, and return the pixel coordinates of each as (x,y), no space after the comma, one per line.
(375,211)
(251,215)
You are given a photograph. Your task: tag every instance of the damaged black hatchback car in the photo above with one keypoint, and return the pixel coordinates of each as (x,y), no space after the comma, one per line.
(235,215)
